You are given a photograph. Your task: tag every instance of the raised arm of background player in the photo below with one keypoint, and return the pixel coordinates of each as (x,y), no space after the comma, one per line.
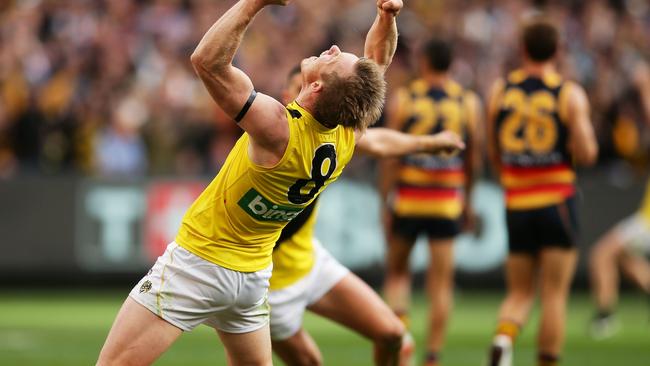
(231,88)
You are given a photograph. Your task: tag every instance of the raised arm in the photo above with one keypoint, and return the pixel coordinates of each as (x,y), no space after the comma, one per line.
(381,40)
(261,116)
(582,139)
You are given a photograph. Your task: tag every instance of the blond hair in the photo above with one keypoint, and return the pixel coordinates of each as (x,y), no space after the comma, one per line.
(353,101)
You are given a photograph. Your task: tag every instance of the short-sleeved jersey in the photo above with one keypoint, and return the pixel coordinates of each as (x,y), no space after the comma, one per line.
(237,220)
(532,134)
(293,255)
(429,185)
(645,206)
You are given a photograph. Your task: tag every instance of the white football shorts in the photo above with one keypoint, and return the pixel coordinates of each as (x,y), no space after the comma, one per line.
(635,233)
(288,304)
(186,290)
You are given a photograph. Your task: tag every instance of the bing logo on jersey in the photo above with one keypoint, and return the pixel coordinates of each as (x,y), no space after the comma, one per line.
(262,209)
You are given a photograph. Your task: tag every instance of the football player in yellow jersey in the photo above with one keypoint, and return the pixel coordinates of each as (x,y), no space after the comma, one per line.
(306,276)
(428,194)
(217,271)
(627,245)
(538,128)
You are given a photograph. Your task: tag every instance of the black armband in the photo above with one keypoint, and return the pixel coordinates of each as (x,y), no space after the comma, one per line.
(246,106)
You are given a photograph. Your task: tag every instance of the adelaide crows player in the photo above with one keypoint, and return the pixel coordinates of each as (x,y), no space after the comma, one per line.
(428,194)
(539,127)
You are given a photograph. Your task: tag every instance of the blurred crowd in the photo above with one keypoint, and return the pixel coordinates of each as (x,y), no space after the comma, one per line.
(105,87)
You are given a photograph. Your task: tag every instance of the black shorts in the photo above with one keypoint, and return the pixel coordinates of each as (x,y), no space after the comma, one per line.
(531,230)
(432,227)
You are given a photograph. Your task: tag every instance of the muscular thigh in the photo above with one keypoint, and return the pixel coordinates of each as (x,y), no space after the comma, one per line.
(250,348)
(355,305)
(288,304)
(137,337)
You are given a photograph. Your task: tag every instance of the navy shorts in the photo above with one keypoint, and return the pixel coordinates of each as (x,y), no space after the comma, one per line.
(530,231)
(432,227)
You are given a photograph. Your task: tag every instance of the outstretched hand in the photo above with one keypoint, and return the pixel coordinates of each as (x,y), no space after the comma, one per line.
(446,143)
(392,7)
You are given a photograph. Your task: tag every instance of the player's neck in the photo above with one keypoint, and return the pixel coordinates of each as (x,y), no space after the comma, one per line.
(436,79)
(306,101)
(539,69)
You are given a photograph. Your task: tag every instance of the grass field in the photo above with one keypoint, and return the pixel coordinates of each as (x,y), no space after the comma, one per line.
(68,328)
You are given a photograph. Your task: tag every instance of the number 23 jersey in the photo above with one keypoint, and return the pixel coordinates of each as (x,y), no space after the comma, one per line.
(237,220)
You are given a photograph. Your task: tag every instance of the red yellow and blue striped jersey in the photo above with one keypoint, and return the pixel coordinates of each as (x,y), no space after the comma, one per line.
(428,185)
(532,135)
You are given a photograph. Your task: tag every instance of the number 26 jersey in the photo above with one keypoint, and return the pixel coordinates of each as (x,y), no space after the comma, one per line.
(237,220)
(532,135)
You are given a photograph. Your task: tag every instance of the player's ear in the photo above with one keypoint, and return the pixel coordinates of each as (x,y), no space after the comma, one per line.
(316,86)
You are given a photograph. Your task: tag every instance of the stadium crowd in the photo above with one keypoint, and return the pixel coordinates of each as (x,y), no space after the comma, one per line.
(105,88)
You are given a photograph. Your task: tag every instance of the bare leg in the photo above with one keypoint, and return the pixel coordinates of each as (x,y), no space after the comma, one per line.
(248,349)
(603,267)
(440,277)
(636,269)
(355,305)
(557,266)
(520,281)
(298,350)
(397,285)
(138,337)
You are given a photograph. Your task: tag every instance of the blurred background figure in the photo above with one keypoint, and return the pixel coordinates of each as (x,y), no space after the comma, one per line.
(624,248)
(430,195)
(539,125)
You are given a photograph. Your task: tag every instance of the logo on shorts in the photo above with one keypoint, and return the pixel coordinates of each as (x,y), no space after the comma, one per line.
(262,209)
(146,286)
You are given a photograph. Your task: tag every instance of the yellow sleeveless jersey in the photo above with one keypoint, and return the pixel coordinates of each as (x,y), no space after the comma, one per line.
(237,220)
(645,206)
(293,257)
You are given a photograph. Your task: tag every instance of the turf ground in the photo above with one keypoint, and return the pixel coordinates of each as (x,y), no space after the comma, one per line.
(68,328)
